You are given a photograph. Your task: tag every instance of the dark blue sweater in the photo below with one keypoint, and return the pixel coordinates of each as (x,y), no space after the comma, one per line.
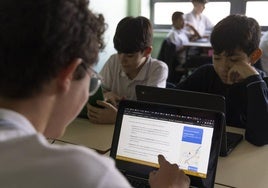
(246,102)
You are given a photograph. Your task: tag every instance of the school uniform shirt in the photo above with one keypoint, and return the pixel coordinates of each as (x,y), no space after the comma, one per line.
(153,73)
(264,47)
(246,102)
(201,23)
(178,37)
(27,160)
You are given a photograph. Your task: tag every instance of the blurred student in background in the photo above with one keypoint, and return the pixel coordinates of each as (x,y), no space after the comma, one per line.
(179,36)
(198,20)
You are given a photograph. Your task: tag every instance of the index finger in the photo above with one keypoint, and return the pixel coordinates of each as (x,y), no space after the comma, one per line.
(161,160)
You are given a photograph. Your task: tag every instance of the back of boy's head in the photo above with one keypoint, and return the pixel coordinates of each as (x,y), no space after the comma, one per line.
(176,15)
(235,32)
(133,35)
(39,38)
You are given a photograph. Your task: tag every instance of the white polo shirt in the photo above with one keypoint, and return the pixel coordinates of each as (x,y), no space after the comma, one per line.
(153,73)
(178,37)
(201,23)
(27,160)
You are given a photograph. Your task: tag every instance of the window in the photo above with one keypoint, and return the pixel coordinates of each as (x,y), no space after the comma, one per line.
(216,11)
(260,15)
(162,11)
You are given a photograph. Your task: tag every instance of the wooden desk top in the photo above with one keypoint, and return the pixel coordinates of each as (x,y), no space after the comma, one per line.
(82,132)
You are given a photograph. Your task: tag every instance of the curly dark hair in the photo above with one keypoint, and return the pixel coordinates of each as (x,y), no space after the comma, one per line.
(38,38)
(236,32)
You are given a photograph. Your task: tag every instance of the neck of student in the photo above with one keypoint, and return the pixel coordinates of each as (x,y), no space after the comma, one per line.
(197,13)
(36,110)
(133,74)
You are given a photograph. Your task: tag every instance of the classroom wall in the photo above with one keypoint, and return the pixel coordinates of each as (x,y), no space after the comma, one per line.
(113,12)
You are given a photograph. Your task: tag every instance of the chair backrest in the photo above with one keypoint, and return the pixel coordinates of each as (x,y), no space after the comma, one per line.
(168,55)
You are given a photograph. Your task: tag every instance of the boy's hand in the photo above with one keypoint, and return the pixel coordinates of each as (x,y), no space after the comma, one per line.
(240,71)
(168,176)
(105,115)
(112,98)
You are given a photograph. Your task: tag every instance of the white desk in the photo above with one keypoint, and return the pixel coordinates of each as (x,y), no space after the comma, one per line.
(245,167)
(198,44)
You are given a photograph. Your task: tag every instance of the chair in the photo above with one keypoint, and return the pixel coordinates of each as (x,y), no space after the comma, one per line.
(168,55)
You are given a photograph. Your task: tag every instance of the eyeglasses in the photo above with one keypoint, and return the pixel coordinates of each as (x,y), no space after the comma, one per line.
(95,79)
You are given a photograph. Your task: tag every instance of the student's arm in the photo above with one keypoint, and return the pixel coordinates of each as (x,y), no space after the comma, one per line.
(257,111)
(196,35)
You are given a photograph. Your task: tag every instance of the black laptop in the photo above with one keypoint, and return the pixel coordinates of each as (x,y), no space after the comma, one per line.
(189,137)
(192,99)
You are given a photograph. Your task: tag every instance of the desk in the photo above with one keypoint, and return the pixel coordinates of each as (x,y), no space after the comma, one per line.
(82,132)
(197,54)
(245,167)
(198,44)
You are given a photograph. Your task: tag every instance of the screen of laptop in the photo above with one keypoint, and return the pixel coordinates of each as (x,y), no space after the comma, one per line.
(183,135)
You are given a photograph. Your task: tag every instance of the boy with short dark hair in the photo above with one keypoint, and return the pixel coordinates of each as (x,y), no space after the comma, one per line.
(235,41)
(131,66)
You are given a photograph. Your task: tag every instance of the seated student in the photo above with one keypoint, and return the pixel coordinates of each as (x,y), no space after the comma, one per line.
(51,57)
(180,36)
(198,20)
(235,41)
(264,47)
(132,65)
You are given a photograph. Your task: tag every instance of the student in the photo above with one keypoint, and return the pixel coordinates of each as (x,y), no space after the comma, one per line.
(196,19)
(180,36)
(264,47)
(47,50)
(235,41)
(130,66)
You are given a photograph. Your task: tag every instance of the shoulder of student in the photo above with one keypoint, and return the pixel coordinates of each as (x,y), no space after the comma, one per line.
(156,64)
(83,167)
(111,66)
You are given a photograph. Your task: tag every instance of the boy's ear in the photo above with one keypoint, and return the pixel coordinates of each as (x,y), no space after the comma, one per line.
(66,75)
(148,51)
(255,56)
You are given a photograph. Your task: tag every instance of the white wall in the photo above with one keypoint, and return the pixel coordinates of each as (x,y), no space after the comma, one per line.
(113,11)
